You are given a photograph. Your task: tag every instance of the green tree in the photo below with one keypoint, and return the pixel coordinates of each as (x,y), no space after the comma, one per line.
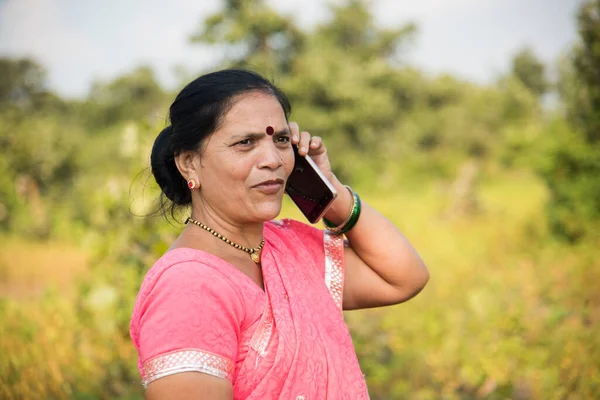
(253,34)
(23,86)
(40,158)
(354,30)
(530,71)
(133,96)
(572,169)
(22,81)
(585,112)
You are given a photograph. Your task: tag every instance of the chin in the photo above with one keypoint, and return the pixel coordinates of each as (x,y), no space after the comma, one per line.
(268,212)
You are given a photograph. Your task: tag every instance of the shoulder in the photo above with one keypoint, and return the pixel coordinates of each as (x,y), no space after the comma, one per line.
(186,278)
(298,243)
(295,230)
(187,267)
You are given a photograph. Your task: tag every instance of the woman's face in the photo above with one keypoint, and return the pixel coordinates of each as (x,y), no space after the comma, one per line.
(242,169)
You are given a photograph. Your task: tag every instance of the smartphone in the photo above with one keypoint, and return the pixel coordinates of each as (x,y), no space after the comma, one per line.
(309,189)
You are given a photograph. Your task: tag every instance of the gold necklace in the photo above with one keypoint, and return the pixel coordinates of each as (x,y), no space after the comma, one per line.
(253,251)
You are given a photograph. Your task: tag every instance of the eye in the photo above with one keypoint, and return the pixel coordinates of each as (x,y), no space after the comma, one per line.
(245,142)
(283,139)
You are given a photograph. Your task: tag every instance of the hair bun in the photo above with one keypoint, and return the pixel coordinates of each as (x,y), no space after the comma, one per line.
(161,143)
(164,169)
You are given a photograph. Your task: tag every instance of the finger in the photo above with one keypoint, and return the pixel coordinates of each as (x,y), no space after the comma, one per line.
(303,143)
(316,145)
(295,131)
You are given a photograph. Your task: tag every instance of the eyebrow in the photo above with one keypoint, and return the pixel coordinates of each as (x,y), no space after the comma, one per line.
(254,135)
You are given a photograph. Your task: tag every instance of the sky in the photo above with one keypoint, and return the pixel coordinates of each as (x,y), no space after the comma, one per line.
(82,41)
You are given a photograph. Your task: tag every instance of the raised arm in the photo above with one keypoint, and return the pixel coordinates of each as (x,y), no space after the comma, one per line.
(381,266)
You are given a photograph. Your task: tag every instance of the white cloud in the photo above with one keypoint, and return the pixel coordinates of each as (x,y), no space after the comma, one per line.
(424,9)
(38,29)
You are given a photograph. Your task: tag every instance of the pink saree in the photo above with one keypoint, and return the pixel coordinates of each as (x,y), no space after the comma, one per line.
(196,312)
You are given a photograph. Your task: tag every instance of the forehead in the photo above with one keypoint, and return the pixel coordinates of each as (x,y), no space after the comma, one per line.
(253,112)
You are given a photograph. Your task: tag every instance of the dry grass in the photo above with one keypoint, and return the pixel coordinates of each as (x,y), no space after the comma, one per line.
(28,268)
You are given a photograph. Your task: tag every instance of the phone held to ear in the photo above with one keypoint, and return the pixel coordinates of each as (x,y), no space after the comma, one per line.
(309,189)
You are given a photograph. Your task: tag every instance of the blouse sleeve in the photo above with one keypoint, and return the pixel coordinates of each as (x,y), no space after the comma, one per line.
(189,320)
(329,248)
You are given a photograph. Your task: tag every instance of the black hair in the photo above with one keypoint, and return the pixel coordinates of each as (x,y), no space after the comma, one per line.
(197,112)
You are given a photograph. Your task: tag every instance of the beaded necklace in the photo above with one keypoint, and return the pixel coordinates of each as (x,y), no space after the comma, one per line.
(253,251)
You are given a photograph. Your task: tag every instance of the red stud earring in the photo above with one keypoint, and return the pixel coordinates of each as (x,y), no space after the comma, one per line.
(193,184)
(270,130)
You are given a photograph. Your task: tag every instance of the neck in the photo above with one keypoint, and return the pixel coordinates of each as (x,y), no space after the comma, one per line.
(248,234)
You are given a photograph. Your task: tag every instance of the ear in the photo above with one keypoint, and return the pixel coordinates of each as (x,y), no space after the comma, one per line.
(187,162)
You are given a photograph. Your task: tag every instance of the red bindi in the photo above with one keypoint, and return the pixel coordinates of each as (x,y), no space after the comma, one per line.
(270,130)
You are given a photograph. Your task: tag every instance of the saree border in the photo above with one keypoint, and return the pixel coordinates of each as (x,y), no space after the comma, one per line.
(261,337)
(188,360)
(334,266)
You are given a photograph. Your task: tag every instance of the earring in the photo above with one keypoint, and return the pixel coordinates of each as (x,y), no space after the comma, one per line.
(193,184)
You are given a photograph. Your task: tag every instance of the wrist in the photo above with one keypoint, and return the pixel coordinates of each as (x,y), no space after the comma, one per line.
(351,219)
(342,205)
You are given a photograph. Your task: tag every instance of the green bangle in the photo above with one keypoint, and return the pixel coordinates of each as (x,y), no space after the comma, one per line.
(355,214)
(352,218)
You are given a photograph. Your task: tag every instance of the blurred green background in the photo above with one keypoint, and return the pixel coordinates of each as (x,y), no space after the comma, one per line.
(497,185)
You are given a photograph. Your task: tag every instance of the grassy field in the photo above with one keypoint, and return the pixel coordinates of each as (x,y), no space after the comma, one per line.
(508,313)
(27,270)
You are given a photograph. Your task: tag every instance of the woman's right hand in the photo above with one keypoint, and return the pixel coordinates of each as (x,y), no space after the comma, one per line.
(312,146)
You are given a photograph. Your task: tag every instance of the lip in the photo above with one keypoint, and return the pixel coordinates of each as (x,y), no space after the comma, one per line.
(270,186)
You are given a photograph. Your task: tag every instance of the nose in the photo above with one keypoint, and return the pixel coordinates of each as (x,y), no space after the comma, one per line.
(270,156)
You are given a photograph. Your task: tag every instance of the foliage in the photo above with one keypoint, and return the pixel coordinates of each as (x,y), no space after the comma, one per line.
(530,71)
(21,82)
(507,311)
(467,171)
(134,96)
(572,172)
(254,34)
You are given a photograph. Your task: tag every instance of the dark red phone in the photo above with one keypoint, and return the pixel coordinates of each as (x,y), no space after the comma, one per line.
(309,189)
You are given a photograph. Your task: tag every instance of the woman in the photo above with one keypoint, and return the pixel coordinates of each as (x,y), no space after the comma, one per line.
(242,306)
